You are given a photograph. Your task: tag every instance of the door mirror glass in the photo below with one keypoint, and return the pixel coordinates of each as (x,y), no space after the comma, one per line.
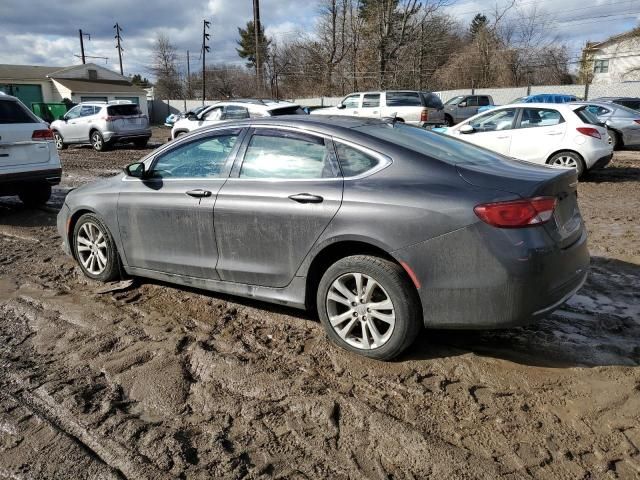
(467,129)
(136,170)
(340,106)
(462,104)
(63,118)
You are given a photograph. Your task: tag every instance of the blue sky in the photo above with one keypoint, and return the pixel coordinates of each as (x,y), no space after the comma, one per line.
(45,32)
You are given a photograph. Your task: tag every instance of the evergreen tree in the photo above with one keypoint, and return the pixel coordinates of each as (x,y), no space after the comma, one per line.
(247,45)
(478,23)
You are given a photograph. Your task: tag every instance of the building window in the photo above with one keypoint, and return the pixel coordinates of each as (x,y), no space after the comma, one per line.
(601,66)
(93,74)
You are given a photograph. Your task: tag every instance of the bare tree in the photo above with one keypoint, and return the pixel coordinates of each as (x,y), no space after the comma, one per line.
(165,68)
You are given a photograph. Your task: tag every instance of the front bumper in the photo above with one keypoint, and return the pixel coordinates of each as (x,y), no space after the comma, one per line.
(482,277)
(62,223)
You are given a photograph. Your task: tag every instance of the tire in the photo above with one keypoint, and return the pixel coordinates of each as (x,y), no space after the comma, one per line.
(59,141)
(97,141)
(36,195)
(91,233)
(141,142)
(568,159)
(179,134)
(616,140)
(390,287)
(448,121)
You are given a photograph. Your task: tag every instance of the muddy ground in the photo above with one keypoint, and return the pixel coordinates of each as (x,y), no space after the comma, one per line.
(158,381)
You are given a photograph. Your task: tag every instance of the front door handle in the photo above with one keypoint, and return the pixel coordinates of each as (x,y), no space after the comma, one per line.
(199,193)
(306,198)
(555,133)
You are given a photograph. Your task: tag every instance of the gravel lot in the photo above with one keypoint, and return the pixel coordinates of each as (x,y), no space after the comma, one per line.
(156,381)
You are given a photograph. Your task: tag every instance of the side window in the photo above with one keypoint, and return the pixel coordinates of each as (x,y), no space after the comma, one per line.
(403,99)
(353,161)
(539,117)
(74,112)
(352,101)
(371,100)
(213,114)
(483,101)
(203,158)
(280,154)
(472,101)
(234,112)
(86,110)
(495,120)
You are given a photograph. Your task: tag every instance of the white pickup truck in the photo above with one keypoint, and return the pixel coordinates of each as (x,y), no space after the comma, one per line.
(29,162)
(423,109)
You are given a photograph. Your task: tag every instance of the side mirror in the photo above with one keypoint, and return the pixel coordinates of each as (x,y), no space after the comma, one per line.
(462,104)
(467,129)
(191,116)
(340,106)
(63,118)
(136,170)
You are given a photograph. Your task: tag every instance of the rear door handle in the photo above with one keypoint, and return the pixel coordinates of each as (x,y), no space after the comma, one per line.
(306,198)
(554,133)
(503,137)
(199,193)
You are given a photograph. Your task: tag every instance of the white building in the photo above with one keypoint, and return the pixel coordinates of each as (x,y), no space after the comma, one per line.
(78,83)
(615,60)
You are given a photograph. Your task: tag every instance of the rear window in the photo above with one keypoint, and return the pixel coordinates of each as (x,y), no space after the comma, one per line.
(13,112)
(403,99)
(434,145)
(586,116)
(632,104)
(294,110)
(123,110)
(431,100)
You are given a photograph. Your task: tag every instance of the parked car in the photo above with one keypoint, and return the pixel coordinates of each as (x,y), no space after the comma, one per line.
(236,109)
(538,98)
(623,123)
(561,135)
(630,102)
(423,109)
(460,108)
(102,124)
(29,162)
(174,117)
(385,228)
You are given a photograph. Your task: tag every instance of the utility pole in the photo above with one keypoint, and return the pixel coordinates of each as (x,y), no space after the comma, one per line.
(82,44)
(256,29)
(205,48)
(188,75)
(118,46)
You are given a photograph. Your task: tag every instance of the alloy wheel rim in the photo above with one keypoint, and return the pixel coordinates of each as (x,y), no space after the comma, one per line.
(360,311)
(97,141)
(58,141)
(91,245)
(566,161)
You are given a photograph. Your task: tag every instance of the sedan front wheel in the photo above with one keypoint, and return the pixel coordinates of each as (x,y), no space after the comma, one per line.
(368,306)
(94,249)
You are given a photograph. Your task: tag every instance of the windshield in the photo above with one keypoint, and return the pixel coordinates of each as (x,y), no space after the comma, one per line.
(434,145)
(454,100)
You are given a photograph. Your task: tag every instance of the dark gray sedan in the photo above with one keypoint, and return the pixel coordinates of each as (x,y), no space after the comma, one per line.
(383,227)
(623,123)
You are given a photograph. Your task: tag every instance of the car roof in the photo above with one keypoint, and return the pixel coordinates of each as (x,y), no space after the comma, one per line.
(532,105)
(6,96)
(254,103)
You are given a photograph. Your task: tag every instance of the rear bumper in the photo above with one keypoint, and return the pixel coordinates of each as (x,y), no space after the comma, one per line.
(13,183)
(602,162)
(126,136)
(481,277)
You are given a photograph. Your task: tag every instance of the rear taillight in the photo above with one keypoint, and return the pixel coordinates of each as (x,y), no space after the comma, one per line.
(637,121)
(42,135)
(589,132)
(517,213)
(424,115)
(110,118)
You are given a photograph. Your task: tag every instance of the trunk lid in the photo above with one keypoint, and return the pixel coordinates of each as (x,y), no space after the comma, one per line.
(17,147)
(528,181)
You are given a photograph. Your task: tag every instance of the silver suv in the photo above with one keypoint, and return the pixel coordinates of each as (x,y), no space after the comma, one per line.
(102,124)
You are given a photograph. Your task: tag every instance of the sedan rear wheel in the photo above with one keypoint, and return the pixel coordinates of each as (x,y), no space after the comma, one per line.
(94,249)
(367,305)
(60,145)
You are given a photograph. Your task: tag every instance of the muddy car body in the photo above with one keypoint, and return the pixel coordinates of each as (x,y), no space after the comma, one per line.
(446,234)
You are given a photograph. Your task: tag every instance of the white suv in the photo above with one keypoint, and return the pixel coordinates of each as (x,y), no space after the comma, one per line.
(102,124)
(236,109)
(422,109)
(29,162)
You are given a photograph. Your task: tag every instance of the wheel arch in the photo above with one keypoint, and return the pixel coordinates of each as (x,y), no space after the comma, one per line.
(331,253)
(71,225)
(551,155)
